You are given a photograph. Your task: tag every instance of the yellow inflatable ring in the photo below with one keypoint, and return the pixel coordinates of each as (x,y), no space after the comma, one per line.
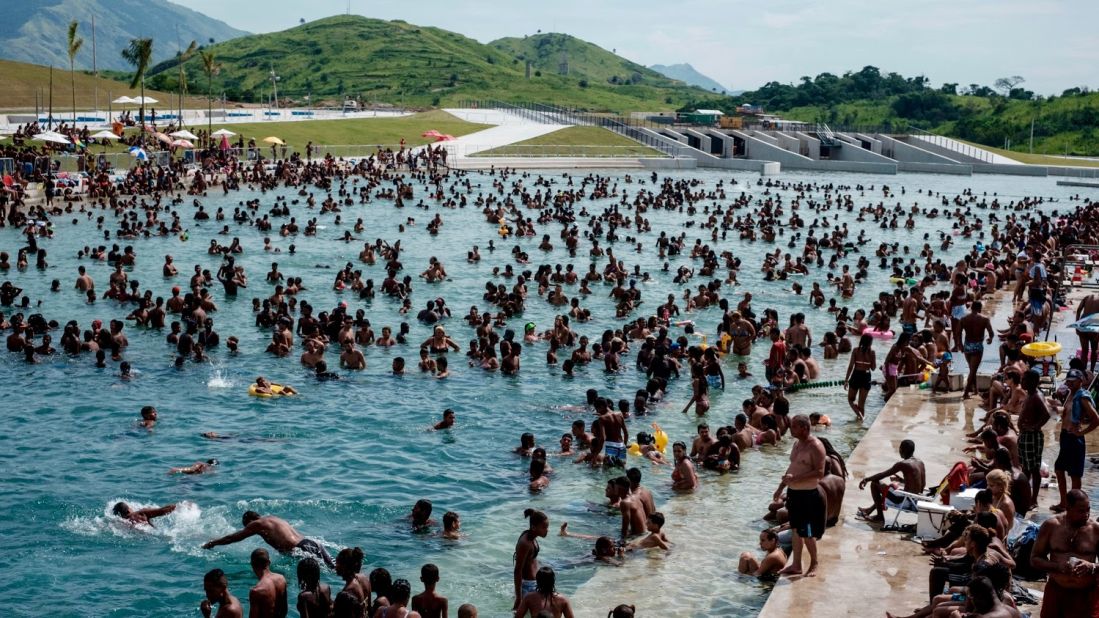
(1040,349)
(276,389)
(660,438)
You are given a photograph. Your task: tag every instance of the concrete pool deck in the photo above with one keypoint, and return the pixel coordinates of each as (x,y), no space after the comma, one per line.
(867,572)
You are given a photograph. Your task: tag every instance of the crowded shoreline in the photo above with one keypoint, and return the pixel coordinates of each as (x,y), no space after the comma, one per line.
(686,360)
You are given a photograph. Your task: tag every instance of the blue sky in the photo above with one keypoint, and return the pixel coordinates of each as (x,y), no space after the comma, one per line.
(1052,43)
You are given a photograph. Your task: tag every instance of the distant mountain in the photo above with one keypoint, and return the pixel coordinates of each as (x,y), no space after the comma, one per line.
(688,75)
(563,54)
(35,30)
(404,64)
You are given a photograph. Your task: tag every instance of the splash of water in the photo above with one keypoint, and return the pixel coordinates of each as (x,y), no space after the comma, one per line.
(219,380)
(184,530)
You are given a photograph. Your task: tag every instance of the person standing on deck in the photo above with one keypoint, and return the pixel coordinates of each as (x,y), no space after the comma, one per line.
(804,501)
(973,327)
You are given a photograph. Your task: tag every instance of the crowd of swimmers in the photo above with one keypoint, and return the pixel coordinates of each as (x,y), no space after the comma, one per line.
(937,308)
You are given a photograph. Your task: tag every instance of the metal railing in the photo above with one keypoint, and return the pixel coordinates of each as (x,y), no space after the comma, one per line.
(952,145)
(558,151)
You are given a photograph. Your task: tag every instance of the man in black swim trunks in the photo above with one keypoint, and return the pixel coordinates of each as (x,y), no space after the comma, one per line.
(804,500)
(277,533)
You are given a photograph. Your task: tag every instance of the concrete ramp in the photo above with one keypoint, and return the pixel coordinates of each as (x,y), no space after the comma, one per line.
(853,151)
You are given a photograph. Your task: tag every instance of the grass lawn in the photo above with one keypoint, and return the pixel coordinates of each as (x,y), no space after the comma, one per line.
(576,142)
(1036,159)
(358,131)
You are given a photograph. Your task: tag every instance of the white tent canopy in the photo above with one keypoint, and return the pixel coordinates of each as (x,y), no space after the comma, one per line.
(144,100)
(48,136)
(124,100)
(183,134)
(222,132)
(104,135)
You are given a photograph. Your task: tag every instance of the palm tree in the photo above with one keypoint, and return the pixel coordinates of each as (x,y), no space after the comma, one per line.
(184,56)
(74,46)
(211,68)
(139,54)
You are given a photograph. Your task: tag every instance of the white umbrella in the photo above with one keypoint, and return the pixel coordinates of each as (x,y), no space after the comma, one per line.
(183,134)
(124,100)
(55,138)
(222,132)
(144,100)
(104,135)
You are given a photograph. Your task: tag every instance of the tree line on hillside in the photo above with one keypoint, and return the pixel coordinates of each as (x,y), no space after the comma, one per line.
(990,115)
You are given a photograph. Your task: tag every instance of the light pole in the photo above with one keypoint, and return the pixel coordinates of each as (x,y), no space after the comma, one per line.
(275,86)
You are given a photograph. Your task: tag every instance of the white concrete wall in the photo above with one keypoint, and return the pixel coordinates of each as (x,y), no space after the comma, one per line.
(812,143)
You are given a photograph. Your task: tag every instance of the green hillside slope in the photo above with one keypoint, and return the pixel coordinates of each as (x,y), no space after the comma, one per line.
(400,63)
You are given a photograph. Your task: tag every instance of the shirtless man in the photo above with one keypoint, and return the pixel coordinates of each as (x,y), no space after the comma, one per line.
(912,477)
(702,442)
(973,327)
(1031,440)
(609,433)
(643,495)
(352,357)
(1089,339)
(803,500)
(910,311)
(277,533)
(84,281)
(216,586)
(144,516)
(1067,548)
(633,514)
(267,599)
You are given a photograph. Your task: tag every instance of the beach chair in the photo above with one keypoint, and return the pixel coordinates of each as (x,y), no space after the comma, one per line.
(908,504)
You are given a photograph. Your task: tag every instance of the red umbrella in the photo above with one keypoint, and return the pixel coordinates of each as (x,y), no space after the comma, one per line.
(444,138)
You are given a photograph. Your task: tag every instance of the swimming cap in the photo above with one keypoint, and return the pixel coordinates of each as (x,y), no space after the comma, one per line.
(529,326)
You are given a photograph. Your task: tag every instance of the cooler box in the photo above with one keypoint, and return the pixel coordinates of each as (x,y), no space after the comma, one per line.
(931,520)
(963,500)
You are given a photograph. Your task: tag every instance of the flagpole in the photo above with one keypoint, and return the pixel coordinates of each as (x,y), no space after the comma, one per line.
(95,72)
(49,117)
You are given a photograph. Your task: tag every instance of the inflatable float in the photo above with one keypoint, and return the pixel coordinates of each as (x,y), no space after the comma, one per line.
(878,334)
(276,390)
(1041,349)
(660,439)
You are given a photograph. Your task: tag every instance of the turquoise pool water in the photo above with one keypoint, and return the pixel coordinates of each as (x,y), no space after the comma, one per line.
(345,461)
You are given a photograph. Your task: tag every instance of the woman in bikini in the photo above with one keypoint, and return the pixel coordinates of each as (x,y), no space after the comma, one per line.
(439,342)
(684,477)
(859,371)
(700,389)
(526,555)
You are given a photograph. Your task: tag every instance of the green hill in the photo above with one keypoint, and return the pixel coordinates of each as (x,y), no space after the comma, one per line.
(35,30)
(562,54)
(400,63)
